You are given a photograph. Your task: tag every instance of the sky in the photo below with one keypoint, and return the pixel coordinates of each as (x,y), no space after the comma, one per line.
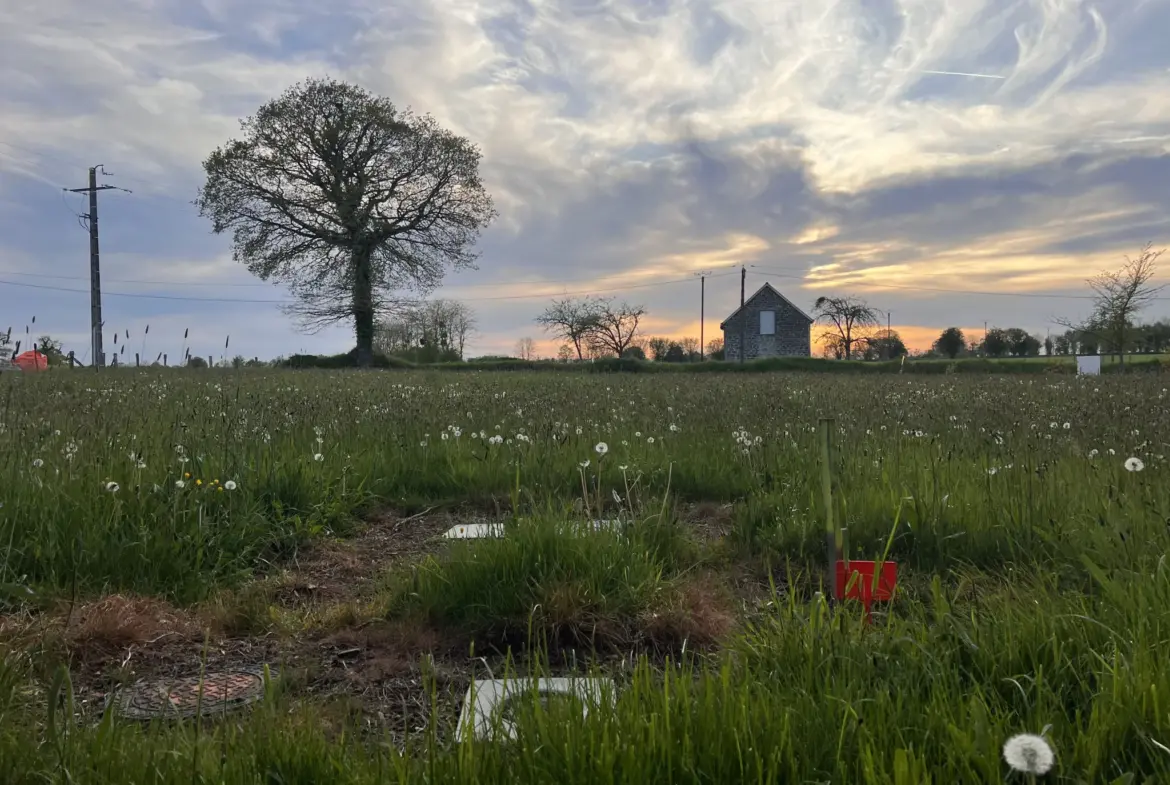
(952,162)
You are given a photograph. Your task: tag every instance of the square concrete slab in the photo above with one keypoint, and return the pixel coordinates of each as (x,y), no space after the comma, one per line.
(487,698)
(471,531)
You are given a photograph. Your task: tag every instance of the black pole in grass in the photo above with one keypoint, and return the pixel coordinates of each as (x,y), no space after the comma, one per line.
(834,535)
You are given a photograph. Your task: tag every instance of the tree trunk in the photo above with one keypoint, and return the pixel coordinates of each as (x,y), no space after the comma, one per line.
(363,308)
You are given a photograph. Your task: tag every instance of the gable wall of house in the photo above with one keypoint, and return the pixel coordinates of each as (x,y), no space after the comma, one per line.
(791,339)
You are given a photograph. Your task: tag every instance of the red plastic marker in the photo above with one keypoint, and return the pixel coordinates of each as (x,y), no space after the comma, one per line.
(855,582)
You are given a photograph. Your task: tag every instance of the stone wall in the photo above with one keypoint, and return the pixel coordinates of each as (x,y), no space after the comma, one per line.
(793,330)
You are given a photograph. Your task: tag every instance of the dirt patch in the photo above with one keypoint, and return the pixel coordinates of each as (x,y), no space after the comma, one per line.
(344,569)
(710,521)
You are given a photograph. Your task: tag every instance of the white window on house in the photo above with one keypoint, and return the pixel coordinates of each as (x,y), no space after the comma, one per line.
(767,322)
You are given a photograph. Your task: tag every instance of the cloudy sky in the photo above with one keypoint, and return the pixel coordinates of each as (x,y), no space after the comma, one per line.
(955,162)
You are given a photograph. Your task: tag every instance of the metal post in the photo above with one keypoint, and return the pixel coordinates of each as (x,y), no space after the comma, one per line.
(834,537)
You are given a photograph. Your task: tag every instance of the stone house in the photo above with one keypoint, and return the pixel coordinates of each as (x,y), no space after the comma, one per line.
(773,327)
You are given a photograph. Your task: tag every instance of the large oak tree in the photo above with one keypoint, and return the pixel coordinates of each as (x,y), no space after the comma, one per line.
(347,200)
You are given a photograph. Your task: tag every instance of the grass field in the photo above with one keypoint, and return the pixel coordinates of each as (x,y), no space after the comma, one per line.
(155,523)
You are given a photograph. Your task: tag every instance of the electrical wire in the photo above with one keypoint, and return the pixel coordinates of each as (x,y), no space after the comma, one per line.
(289,302)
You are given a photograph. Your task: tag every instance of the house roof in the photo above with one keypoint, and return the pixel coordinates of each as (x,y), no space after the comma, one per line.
(761,290)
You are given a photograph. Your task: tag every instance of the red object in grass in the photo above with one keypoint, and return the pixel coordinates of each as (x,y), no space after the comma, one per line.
(31,361)
(855,582)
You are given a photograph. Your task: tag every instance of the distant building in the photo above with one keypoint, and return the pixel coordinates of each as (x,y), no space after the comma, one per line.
(773,327)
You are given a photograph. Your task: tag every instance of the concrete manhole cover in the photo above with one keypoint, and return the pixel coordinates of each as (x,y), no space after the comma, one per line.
(215,693)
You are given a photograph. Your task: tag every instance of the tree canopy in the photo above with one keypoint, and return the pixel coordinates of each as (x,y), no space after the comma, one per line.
(349,201)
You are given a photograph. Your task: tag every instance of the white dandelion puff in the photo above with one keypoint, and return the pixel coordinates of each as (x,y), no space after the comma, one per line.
(318,457)
(1134,464)
(230,485)
(112,487)
(602,448)
(180,484)
(1029,754)
(38,463)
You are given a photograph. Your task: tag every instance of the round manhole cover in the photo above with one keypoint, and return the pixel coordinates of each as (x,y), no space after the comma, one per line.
(214,693)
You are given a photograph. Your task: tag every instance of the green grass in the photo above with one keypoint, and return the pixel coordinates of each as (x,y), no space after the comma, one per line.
(1034,589)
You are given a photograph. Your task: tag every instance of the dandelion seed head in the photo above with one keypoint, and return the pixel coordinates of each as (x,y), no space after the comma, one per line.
(1029,754)
(1134,464)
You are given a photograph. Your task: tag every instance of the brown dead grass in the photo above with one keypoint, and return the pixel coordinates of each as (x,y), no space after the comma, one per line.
(114,624)
(701,613)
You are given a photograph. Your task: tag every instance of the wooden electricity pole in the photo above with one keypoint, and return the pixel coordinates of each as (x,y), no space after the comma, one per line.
(95,279)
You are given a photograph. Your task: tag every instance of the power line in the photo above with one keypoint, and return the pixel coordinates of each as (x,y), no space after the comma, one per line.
(252,284)
(288,302)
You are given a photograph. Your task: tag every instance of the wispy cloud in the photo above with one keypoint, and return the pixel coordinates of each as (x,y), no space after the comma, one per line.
(962,144)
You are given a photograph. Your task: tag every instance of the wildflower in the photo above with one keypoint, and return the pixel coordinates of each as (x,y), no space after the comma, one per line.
(602,448)
(38,463)
(443,436)
(1029,754)
(1134,464)
(1093,453)
(230,485)
(180,484)
(318,457)
(112,487)
(1067,426)
(650,440)
(623,468)
(585,464)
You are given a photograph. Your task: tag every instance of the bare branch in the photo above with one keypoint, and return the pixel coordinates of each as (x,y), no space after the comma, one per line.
(336,193)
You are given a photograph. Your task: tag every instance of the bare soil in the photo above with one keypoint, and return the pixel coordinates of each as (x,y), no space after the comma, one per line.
(318,623)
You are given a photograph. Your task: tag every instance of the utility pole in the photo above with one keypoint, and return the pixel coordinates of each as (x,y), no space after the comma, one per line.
(95,281)
(702,312)
(742,315)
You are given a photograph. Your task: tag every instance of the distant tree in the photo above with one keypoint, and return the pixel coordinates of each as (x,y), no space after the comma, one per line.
(343,197)
(1021,343)
(51,348)
(887,345)
(951,342)
(526,349)
(690,347)
(565,353)
(195,361)
(1118,297)
(715,347)
(573,320)
(675,353)
(616,326)
(634,353)
(449,323)
(849,322)
(658,347)
(427,331)
(996,343)
(1153,338)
